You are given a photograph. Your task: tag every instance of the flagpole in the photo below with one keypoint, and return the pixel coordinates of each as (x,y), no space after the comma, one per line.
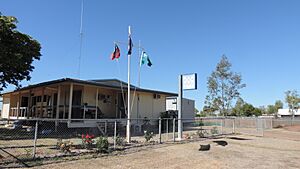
(139,80)
(81,35)
(128,137)
(139,83)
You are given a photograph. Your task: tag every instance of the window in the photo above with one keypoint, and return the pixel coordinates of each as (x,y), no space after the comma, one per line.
(45,98)
(38,99)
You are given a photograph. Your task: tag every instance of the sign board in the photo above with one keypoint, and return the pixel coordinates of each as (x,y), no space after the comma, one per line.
(189,81)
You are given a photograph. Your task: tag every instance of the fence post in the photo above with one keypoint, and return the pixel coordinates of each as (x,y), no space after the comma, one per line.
(256,123)
(263,127)
(159,130)
(222,126)
(35,139)
(271,123)
(174,127)
(105,127)
(115,134)
(233,126)
(167,128)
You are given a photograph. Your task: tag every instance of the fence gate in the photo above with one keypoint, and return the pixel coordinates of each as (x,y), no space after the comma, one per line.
(250,126)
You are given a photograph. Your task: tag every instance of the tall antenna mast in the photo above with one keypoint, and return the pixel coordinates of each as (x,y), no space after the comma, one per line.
(81,35)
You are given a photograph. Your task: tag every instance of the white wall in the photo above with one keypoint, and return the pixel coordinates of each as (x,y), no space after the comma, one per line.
(5,107)
(188,107)
(286,112)
(149,106)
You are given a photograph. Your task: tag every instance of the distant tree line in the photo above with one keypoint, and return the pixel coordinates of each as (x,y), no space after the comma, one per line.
(224,87)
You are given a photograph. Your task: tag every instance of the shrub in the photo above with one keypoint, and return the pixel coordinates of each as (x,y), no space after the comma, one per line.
(64,146)
(120,140)
(214,130)
(148,135)
(200,123)
(201,133)
(102,144)
(87,140)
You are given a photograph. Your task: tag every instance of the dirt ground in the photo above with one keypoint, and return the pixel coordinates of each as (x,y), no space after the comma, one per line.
(279,148)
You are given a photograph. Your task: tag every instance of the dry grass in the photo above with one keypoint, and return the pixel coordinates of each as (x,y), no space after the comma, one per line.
(280,148)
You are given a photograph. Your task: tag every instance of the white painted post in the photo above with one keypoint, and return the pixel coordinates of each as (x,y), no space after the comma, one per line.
(115,134)
(70,103)
(52,105)
(57,107)
(29,105)
(179,101)
(42,104)
(96,114)
(35,139)
(128,134)
(18,105)
(159,130)
(18,109)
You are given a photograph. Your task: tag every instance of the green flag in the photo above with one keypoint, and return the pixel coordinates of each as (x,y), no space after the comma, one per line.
(145,59)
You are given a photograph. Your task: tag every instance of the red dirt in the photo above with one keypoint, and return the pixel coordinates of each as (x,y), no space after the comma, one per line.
(292,128)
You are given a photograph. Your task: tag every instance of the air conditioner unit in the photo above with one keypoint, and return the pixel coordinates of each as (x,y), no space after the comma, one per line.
(156,96)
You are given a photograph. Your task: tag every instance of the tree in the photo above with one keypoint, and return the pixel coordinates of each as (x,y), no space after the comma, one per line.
(208,111)
(249,110)
(17,53)
(237,110)
(271,109)
(293,100)
(263,109)
(223,87)
(278,105)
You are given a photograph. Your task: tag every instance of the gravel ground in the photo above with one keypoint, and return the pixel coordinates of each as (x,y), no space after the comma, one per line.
(271,151)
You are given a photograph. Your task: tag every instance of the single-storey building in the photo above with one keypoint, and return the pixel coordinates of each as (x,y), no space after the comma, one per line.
(188,107)
(82,100)
(287,113)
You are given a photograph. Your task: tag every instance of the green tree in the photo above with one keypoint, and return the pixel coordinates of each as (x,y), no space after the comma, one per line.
(271,109)
(293,100)
(223,87)
(207,111)
(278,105)
(250,110)
(17,53)
(237,110)
(263,110)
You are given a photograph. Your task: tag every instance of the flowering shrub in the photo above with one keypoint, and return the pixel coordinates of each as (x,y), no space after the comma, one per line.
(87,140)
(148,135)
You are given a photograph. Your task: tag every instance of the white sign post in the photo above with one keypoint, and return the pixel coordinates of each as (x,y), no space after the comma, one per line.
(186,82)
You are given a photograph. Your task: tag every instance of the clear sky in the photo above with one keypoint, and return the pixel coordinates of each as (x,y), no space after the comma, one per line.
(260,38)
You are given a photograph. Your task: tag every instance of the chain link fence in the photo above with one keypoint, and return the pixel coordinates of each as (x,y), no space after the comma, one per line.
(24,141)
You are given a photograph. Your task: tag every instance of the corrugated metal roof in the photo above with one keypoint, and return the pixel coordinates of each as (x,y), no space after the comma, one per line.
(107,83)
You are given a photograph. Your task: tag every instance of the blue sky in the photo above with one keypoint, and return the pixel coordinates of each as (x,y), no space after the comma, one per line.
(260,38)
